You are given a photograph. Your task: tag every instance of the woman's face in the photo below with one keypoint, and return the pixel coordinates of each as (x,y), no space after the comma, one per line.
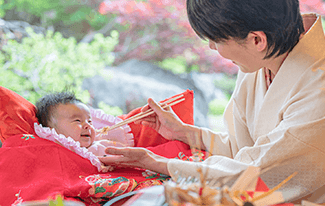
(74,120)
(242,54)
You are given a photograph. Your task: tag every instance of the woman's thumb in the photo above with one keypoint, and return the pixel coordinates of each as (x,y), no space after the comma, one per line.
(155,107)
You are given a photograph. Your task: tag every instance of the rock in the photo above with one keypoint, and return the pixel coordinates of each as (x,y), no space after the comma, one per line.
(133,82)
(19,27)
(16,30)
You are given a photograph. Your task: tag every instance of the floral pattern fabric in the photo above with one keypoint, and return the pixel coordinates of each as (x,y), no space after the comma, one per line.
(33,168)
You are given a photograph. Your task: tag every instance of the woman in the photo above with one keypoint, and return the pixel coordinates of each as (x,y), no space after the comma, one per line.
(276,114)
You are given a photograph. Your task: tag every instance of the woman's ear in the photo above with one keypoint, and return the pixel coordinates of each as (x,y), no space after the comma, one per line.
(259,40)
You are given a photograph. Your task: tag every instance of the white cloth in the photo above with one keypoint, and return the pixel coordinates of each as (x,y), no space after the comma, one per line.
(98,147)
(122,134)
(119,137)
(284,124)
(67,142)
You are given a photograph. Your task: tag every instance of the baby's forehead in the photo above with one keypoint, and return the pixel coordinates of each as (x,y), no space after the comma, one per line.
(82,106)
(73,108)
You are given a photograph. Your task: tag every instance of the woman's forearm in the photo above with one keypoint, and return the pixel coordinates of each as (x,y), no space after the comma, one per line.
(192,136)
(159,165)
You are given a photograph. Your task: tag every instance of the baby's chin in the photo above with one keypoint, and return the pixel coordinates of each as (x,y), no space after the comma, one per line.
(86,142)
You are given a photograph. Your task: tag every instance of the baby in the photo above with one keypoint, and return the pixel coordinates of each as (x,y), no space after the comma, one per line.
(71,118)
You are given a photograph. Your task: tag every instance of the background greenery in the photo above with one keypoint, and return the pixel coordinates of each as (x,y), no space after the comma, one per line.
(89,35)
(45,63)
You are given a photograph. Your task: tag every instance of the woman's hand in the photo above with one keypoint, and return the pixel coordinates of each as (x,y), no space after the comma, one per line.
(165,122)
(135,157)
(170,126)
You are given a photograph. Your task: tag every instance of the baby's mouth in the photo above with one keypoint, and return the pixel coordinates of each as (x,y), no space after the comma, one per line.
(85,135)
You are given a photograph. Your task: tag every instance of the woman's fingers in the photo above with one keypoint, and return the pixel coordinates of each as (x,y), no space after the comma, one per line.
(109,160)
(117,156)
(147,119)
(125,157)
(155,107)
(149,124)
(135,157)
(127,152)
(115,150)
(145,108)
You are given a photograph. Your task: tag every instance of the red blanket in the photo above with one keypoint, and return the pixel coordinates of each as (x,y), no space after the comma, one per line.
(38,169)
(32,168)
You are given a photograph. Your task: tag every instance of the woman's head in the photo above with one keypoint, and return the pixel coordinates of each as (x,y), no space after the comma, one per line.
(221,20)
(67,115)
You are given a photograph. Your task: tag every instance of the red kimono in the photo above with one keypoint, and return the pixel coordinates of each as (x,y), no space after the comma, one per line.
(33,168)
(39,169)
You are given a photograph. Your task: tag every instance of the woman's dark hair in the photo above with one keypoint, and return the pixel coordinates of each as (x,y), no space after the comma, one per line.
(45,105)
(220,20)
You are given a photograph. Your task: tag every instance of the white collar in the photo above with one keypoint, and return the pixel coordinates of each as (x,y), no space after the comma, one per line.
(67,142)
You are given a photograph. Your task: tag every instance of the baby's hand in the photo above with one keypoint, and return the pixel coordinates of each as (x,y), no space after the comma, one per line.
(118,135)
(107,168)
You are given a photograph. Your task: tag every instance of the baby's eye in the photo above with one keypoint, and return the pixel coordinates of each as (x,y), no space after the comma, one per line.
(77,120)
(90,122)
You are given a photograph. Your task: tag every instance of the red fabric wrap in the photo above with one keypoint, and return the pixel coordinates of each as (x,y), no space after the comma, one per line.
(17,115)
(147,137)
(33,168)
(38,169)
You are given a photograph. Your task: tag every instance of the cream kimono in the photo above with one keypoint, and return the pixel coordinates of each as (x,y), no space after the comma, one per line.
(284,124)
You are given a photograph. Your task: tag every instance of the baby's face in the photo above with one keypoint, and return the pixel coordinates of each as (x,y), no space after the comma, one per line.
(74,120)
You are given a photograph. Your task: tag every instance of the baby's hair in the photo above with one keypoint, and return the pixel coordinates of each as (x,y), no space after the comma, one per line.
(46,105)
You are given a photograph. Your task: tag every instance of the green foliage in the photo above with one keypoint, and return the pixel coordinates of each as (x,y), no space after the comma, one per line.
(177,65)
(217,106)
(42,64)
(83,14)
(2,9)
(115,111)
(70,12)
(96,20)
(227,85)
(37,7)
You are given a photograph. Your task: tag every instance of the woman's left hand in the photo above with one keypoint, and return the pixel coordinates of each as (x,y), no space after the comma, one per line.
(135,157)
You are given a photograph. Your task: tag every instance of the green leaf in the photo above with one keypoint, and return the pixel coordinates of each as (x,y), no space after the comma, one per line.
(115,111)
(80,15)
(99,190)
(39,65)
(217,106)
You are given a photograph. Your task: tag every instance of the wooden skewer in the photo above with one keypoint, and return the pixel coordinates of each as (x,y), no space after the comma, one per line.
(145,114)
(161,104)
(141,115)
(149,110)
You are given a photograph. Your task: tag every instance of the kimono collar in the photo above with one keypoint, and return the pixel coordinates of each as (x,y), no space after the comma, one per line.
(67,142)
(305,55)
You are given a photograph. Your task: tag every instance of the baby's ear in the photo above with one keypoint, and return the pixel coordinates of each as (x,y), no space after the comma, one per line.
(51,122)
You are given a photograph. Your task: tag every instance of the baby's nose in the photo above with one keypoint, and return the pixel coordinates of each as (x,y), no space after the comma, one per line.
(86,125)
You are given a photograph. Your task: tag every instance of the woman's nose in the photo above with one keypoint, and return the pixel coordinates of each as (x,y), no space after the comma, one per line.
(212,45)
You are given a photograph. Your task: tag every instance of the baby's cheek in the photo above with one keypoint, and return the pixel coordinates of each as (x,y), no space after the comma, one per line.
(93,134)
